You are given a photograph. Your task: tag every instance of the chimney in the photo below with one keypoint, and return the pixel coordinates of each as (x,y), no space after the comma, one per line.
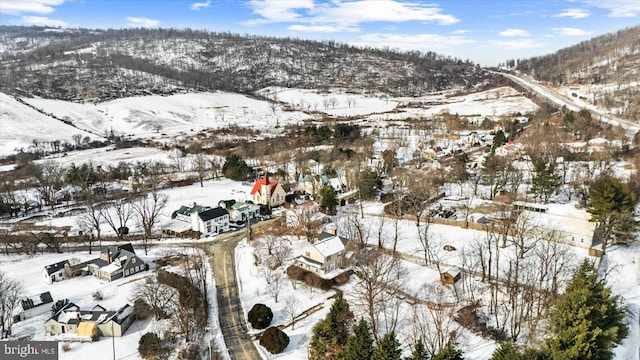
(266,178)
(108,256)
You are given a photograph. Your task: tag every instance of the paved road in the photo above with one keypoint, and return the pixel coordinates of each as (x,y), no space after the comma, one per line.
(230,314)
(541,90)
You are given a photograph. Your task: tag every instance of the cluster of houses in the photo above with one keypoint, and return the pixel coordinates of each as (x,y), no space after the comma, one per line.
(118,261)
(70,320)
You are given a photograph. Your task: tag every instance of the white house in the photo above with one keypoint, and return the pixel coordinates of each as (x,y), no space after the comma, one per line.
(241,211)
(325,255)
(572,224)
(54,272)
(211,221)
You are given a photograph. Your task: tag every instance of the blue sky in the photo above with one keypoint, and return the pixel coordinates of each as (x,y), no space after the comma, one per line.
(485,31)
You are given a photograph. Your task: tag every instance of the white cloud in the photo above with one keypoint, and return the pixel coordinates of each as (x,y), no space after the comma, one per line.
(198,5)
(273,11)
(574,13)
(322,28)
(42,21)
(619,8)
(514,32)
(15,7)
(142,22)
(570,31)
(460,32)
(347,13)
(423,42)
(512,44)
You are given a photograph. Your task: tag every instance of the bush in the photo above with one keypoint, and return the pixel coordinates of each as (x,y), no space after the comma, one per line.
(296,272)
(318,282)
(149,346)
(260,316)
(274,340)
(97,295)
(141,309)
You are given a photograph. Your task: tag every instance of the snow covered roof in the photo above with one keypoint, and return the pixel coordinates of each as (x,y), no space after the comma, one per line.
(310,262)
(453,271)
(52,268)
(330,246)
(177,226)
(36,300)
(111,268)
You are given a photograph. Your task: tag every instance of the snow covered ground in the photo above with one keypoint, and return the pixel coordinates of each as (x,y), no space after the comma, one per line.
(28,269)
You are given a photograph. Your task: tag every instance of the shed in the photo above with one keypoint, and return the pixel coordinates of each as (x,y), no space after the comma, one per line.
(451,275)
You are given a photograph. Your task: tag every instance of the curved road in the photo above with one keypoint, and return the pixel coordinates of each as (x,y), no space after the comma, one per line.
(630,127)
(231,316)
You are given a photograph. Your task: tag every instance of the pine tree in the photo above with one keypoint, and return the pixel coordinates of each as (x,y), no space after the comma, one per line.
(387,348)
(611,206)
(330,334)
(506,351)
(419,351)
(545,178)
(587,320)
(450,352)
(360,344)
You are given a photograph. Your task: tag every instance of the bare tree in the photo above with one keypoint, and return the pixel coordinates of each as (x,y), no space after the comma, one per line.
(274,280)
(201,166)
(161,298)
(117,215)
(439,326)
(291,310)
(147,209)
(380,277)
(91,219)
(48,177)
(10,293)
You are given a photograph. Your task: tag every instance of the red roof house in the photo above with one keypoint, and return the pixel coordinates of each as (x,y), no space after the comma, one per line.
(265,192)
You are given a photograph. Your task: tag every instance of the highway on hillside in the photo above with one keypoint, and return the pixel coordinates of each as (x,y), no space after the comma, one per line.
(551,95)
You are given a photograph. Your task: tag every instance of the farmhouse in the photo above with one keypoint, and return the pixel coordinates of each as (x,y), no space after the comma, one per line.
(122,262)
(268,193)
(90,323)
(34,305)
(325,255)
(54,272)
(450,276)
(211,221)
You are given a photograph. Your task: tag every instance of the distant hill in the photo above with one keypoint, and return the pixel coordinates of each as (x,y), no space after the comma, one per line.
(609,65)
(98,65)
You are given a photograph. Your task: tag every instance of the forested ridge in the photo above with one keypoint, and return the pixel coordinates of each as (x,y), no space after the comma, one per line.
(609,64)
(84,64)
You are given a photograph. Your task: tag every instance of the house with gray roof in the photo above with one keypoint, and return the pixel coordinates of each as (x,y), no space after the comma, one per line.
(54,272)
(34,305)
(327,254)
(70,319)
(211,222)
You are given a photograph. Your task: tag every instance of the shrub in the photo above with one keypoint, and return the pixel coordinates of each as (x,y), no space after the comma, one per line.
(296,272)
(189,352)
(274,340)
(97,295)
(318,282)
(260,316)
(149,346)
(141,309)
(66,346)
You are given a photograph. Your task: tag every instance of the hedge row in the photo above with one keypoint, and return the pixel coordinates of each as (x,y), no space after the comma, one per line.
(313,279)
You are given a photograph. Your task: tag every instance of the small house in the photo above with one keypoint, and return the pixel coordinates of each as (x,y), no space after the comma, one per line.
(241,212)
(325,255)
(54,272)
(122,262)
(450,276)
(34,305)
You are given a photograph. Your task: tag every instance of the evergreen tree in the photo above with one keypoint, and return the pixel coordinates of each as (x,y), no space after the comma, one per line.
(498,140)
(611,206)
(419,351)
(545,179)
(360,344)
(450,352)
(587,320)
(330,334)
(328,199)
(506,351)
(235,168)
(387,348)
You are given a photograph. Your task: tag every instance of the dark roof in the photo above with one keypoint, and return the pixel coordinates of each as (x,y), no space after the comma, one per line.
(55,267)
(213,213)
(98,262)
(227,203)
(114,250)
(187,210)
(35,301)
